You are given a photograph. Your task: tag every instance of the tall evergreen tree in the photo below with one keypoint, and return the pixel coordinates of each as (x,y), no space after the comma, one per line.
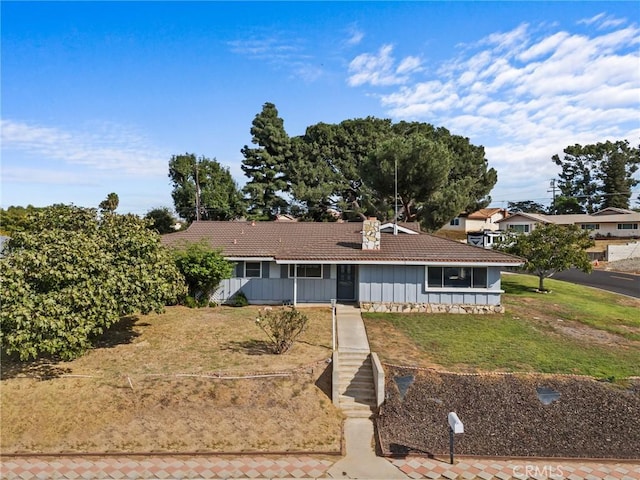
(266,165)
(599,175)
(219,197)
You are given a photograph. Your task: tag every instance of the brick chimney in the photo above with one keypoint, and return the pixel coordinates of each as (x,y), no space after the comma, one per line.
(371,234)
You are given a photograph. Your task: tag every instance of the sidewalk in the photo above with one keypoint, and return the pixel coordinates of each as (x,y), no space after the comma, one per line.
(112,468)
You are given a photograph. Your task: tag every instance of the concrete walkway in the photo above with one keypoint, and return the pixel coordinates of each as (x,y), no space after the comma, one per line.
(352,336)
(360,460)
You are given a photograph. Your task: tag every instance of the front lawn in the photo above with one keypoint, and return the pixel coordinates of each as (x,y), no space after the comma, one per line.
(574,330)
(154,383)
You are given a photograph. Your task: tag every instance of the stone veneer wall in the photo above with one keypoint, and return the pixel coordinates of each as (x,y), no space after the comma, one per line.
(386,307)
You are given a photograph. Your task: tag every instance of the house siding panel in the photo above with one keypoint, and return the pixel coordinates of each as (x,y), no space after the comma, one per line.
(406,284)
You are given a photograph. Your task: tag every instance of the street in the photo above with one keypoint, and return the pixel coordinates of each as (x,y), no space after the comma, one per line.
(624,283)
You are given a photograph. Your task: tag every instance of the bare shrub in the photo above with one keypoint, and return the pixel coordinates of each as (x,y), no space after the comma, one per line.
(282,326)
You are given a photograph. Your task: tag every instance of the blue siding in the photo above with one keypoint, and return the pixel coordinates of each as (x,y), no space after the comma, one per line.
(406,284)
(277,290)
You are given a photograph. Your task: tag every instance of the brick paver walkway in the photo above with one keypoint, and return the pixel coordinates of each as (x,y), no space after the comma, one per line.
(520,469)
(76,468)
(73,468)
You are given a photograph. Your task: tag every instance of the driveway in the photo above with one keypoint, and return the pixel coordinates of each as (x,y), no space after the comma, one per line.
(624,283)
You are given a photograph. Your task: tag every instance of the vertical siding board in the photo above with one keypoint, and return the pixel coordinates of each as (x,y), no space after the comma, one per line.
(265,269)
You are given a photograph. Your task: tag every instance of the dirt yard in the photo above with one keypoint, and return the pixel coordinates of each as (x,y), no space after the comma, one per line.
(166,383)
(503,416)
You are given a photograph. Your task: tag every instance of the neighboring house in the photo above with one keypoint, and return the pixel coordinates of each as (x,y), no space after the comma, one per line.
(308,262)
(483,219)
(609,222)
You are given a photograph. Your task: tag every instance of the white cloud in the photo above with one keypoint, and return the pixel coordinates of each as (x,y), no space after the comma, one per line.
(106,147)
(380,70)
(355,36)
(603,21)
(525,94)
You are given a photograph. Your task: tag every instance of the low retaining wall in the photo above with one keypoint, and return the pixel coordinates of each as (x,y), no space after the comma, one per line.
(623,252)
(384,307)
(378,378)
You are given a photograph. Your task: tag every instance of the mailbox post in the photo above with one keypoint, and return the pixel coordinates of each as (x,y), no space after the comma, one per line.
(455,426)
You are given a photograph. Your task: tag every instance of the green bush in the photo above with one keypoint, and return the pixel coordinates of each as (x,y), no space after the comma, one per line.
(239,300)
(203,269)
(282,326)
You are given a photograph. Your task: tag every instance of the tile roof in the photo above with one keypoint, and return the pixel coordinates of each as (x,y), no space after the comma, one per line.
(329,243)
(484,213)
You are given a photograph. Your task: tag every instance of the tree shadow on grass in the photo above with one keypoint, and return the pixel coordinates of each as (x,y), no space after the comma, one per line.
(120,333)
(250,347)
(49,367)
(40,368)
(513,288)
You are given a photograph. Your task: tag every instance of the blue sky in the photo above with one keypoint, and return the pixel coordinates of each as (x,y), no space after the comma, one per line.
(97,96)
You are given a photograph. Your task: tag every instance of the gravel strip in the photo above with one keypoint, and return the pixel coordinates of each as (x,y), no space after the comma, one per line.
(503,416)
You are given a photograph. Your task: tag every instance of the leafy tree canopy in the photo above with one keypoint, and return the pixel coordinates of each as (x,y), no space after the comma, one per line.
(599,175)
(15,218)
(549,249)
(219,198)
(203,268)
(161,220)
(527,206)
(110,204)
(73,273)
(350,166)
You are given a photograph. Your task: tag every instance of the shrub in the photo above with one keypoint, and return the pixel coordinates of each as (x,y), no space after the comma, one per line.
(203,268)
(239,300)
(282,326)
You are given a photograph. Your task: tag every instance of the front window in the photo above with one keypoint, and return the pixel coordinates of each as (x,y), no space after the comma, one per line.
(627,226)
(253,269)
(306,271)
(455,222)
(457,277)
(590,226)
(519,228)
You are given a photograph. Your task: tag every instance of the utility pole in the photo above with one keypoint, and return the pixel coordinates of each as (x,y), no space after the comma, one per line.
(553,187)
(197,193)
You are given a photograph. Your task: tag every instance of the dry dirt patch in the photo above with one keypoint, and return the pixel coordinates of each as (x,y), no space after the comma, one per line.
(130,393)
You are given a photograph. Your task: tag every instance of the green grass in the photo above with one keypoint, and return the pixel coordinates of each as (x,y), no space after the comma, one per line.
(531,337)
(598,309)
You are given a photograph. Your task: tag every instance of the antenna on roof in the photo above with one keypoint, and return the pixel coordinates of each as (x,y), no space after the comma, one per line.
(395,219)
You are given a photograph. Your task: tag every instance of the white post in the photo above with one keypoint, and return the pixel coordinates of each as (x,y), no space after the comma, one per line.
(333,324)
(295,285)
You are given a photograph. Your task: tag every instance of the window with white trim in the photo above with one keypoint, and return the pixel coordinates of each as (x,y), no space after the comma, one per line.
(455,222)
(457,277)
(590,226)
(312,270)
(253,269)
(627,226)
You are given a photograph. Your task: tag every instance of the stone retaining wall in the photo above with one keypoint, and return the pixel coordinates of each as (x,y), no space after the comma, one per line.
(385,307)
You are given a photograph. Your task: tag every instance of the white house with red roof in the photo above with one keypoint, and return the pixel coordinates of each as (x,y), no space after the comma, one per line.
(381,267)
(478,221)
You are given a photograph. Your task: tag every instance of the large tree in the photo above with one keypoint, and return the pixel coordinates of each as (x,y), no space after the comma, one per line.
(265,166)
(327,166)
(526,206)
(15,218)
(73,273)
(423,168)
(219,197)
(110,204)
(549,249)
(162,220)
(599,175)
